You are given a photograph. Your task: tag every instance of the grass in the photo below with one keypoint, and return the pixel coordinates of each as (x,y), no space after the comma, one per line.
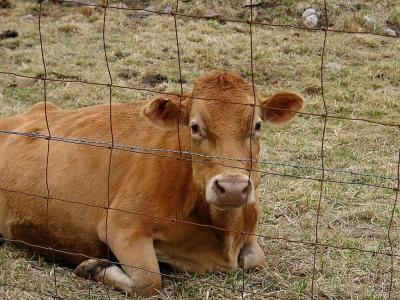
(366,86)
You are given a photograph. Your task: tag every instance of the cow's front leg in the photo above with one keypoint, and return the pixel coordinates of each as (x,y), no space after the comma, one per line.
(135,252)
(105,272)
(138,259)
(252,256)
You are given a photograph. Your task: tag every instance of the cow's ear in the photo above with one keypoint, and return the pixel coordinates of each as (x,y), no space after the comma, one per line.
(281,107)
(165,111)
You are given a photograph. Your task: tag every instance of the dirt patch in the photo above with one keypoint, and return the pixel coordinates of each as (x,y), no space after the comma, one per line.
(154,80)
(8,34)
(5,4)
(127,74)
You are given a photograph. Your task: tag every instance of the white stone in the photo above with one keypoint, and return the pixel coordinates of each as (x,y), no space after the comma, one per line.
(390,32)
(29,18)
(167,9)
(309,12)
(371,21)
(311,21)
(333,66)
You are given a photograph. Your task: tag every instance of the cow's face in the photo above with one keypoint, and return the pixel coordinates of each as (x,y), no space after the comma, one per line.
(225,131)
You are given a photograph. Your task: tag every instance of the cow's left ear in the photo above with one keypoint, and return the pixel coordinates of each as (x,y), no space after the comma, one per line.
(165,111)
(281,107)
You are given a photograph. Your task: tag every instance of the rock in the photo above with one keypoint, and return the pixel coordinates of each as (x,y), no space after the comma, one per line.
(333,66)
(167,9)
(370,22)
(8,34)
(28,18)
(390,32)
(154,80)
(311,21)
(1,96)
(309,12)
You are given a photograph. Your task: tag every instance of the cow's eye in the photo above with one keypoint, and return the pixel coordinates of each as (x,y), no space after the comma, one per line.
(257,128)
(195,129)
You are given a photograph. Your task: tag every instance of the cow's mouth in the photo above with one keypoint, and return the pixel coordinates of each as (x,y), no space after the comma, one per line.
(227,206)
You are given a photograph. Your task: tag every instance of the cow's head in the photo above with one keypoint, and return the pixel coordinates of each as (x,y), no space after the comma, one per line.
(222,123)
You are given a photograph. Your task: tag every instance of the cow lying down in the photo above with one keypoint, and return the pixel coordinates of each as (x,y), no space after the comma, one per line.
(147,189)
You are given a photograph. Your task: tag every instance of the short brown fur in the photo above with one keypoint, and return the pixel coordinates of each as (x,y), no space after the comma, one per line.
(153,188)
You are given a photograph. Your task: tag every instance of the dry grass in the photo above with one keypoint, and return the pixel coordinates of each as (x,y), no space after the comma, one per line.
(366,85)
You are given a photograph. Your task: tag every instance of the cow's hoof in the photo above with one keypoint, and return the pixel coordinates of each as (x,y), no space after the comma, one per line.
(2,241)
(91,267)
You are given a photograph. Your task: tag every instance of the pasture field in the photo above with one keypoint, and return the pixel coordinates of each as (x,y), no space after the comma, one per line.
(361,81)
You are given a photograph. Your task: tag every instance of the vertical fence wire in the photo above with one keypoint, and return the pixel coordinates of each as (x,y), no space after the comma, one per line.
(49,238)
(391,226)
(177,183)
(111,137)
(251,137)
(322,154)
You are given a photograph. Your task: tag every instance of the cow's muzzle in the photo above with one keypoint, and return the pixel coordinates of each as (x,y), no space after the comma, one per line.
(230,191)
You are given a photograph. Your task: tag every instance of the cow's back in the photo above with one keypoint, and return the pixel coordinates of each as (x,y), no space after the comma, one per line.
(77,173)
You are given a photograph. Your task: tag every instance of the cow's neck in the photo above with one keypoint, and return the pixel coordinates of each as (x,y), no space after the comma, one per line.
(225,224)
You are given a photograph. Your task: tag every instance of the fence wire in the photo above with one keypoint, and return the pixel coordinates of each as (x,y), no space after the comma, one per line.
(322,173)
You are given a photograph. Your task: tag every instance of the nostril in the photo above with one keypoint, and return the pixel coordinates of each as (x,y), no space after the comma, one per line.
(246,190)
(220,189)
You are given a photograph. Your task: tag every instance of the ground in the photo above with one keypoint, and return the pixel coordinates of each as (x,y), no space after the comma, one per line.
(361,81)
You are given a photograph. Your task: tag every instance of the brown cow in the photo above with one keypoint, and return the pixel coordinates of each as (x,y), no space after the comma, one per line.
(147,188)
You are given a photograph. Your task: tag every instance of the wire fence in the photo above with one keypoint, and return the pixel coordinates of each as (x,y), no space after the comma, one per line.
(320,174)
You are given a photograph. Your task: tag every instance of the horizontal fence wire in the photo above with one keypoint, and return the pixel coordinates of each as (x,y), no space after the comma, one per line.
(206,226)
(329,116)
(321,176)
(169,153)
(166,275)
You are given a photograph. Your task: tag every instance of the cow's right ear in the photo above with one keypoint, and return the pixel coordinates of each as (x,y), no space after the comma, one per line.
(166,112)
